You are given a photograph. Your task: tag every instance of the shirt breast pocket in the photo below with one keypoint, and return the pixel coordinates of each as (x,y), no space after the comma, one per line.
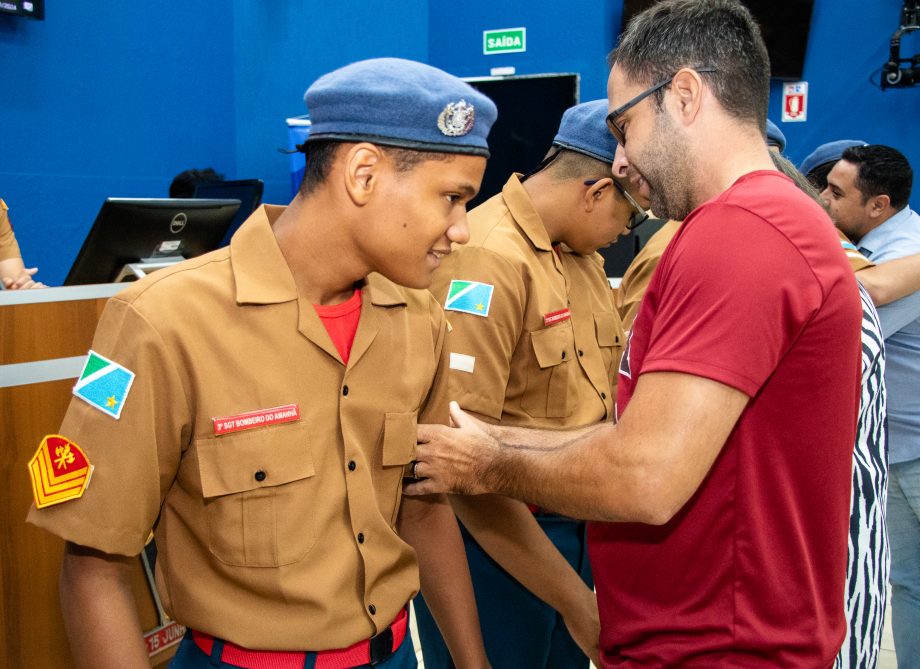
(609,333)
(258,488)
(549,391)
(399,442)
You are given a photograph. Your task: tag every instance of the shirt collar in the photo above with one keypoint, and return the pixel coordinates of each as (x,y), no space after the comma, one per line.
(262,274)
(521,207)
(875,239)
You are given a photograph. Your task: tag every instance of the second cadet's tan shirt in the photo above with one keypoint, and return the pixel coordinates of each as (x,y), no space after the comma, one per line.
(520,360)
(278,537)
(9,248)
(640,271)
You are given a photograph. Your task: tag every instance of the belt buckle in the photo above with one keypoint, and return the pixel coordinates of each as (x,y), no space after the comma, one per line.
(381,646)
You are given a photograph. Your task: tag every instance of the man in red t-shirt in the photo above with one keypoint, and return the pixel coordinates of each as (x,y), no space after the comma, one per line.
(723,490)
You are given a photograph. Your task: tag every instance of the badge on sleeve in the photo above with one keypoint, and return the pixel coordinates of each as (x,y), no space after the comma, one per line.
(60,471)
(104,384)
(469,297)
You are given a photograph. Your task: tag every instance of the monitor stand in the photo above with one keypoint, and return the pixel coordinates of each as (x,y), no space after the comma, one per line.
(138,270)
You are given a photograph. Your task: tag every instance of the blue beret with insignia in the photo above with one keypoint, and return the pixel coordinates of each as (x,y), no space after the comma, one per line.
(827,153)
(401,103)
(584,129)
(775,136)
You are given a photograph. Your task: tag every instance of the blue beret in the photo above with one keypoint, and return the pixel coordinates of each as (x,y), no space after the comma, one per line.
(827,153)
(584,129)
(400,103)
(775,136)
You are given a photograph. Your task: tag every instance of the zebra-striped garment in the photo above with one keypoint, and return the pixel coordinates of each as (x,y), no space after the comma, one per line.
(868,557)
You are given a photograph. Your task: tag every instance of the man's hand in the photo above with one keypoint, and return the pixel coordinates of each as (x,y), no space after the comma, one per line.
(23,280)
(453,459)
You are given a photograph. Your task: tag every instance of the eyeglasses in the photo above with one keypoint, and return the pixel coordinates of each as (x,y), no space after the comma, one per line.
(617,130)
(639,215)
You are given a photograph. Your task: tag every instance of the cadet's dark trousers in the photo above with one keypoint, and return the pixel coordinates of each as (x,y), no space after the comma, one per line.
(519,630)
(190,656)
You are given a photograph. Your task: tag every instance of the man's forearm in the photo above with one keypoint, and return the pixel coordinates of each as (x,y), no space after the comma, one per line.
(429,526)
(100,614)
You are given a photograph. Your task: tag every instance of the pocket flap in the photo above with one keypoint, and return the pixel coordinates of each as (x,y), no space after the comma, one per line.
(608,329)
(553,345)
(399,438)
(231,463)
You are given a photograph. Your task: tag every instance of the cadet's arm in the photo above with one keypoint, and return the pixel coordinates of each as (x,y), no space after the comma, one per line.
(429,526)
(510,534)
(891,280)
(100,614)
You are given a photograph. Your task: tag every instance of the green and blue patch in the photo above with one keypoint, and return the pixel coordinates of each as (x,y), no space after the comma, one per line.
(104,384)
(469,297)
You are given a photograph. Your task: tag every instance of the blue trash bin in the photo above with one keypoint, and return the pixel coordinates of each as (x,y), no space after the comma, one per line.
(298,131)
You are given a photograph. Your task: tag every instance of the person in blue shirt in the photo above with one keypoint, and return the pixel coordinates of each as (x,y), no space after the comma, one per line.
(867,195)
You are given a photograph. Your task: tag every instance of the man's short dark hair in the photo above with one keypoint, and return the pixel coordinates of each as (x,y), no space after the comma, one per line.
(696,33)
(576,165)
(320,155)
(183,184)
(881,170)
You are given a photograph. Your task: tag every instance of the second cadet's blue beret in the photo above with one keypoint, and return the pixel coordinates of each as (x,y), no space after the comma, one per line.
(584,129)
(827,153)
(775,136)
(400,103)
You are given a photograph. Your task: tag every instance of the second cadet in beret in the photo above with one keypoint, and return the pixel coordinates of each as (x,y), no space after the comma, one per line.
(535,343)
(257,407)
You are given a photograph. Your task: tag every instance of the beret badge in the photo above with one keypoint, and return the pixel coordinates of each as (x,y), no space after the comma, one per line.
(456,119)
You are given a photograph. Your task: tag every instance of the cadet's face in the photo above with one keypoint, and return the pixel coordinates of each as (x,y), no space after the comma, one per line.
(845,201)
(422,211)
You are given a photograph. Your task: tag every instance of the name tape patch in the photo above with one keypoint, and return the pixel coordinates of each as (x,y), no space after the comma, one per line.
(261,418)
(469,297)
(60,471)
(462,362)
(554,317)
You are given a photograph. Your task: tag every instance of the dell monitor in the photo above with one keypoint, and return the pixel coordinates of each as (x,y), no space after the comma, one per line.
(247,191)
(144,234)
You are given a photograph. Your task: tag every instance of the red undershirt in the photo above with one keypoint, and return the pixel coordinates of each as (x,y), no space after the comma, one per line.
(341,322)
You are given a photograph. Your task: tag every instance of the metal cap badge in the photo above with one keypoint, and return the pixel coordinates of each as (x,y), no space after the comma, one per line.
(457,118)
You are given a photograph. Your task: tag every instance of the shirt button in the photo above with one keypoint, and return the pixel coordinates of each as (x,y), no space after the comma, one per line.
(603,396)
(260,475)
(372,609)
(352,466)
(345,390)
(563,355)
(581,353)
(360,537)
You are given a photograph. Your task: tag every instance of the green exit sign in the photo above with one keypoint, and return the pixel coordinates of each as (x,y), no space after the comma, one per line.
(506,40)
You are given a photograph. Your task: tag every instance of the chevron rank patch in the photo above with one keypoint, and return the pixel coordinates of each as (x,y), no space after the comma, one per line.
(469,297)
(104,384)
(60,471)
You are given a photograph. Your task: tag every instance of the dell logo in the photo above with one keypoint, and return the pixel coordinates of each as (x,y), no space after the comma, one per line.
(178,223)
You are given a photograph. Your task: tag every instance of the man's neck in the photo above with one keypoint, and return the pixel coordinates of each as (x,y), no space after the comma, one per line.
(314,243)
(732,152)
(547,197)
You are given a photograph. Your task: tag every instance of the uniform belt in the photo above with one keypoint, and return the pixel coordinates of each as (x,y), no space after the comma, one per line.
(371,651)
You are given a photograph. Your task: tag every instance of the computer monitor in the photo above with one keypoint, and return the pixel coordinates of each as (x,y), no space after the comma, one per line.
(247,191)
(152,231)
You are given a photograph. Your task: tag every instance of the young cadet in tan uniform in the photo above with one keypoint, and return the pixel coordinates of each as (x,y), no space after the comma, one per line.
(13,273)
(534,343)
(257,406)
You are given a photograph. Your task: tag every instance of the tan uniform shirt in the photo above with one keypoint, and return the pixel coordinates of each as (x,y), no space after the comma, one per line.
(304,555)
(640,270)
(513,365)
(9,248)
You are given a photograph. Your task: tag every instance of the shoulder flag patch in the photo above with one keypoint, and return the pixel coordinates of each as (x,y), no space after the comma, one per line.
(469,297)
(104,384)
(60,471)
(848,246)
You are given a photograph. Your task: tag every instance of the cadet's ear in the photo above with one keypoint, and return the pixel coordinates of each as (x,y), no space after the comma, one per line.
(362,163)
(597,191)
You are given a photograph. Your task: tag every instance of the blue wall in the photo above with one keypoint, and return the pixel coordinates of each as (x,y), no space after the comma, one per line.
(110,98)
(842,103)
(114,98)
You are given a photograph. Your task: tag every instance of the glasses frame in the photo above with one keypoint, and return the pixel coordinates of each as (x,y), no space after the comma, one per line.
(639,215)
(618,133)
